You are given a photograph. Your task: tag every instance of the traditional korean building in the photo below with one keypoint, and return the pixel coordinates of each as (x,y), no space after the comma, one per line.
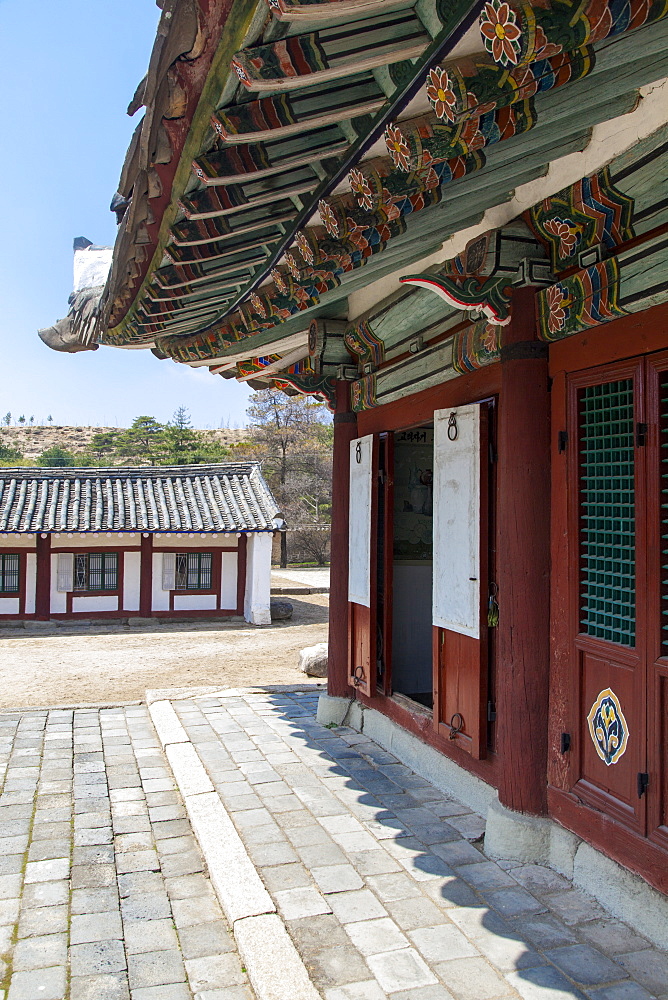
(188,541)
(450,221)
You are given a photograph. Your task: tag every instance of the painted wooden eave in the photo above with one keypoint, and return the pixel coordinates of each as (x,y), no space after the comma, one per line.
(127,299)
(516,161)
(543,109)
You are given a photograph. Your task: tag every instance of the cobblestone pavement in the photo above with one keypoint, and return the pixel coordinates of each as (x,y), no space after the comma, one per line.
(380,879)
(377,875)
(102,890)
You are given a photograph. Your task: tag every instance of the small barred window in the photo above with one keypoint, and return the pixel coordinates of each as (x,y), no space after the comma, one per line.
(193,570)
(96,571)
(9,573)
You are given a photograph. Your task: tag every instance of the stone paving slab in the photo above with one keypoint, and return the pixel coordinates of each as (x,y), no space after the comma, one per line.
(380,879)
(103,891)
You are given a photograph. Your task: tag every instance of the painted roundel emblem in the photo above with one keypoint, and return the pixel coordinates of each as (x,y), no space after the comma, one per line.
(607,727)
(312,337)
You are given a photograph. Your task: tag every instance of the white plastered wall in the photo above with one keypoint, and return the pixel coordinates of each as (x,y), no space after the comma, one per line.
(228,581)
(10,540)
(11,605)
(193,540)
(258,578)
(91,605)
(183,541)
(195,602)
(159,597)
(131,580)
(31,582)
(95,540)
(58,603)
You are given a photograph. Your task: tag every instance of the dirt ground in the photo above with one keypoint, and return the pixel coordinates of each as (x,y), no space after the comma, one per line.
(81,664)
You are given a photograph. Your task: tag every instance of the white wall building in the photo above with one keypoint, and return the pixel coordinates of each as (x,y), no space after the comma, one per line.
(116,543)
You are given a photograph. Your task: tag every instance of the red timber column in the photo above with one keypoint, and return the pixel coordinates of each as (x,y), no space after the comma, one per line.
(146,576)
(345,431)
(523,560)
(43,577)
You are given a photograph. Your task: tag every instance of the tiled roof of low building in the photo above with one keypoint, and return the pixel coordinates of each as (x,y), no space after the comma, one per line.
(203,498)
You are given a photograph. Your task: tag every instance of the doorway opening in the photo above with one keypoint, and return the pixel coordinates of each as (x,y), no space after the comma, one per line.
(410,551)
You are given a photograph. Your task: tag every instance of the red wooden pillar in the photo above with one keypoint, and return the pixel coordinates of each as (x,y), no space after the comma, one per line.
(43,578)
(242,553)
(523,561)
(146,576)
(345,430)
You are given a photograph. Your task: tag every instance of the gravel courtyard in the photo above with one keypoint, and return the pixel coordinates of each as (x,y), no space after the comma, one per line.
(107,663)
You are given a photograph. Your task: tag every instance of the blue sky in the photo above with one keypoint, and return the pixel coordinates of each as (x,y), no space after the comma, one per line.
(70,69)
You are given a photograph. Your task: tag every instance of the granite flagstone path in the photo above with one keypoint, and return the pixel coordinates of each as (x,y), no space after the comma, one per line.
(330,869)
(103,893)
(379,877)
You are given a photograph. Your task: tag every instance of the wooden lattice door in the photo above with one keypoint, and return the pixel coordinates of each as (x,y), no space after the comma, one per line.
(606,531)
(618,529)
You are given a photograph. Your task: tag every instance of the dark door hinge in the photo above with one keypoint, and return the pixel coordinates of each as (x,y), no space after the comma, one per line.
(641,435)
(491,711)
(643,783)
(562,441)
(565,743)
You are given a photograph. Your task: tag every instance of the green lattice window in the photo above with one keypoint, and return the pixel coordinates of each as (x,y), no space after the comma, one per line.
(96,571)
(663,474)
(193,570)
(9,573)
(607,512)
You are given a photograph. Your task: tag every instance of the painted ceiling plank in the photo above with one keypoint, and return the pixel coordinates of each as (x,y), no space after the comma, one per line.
(174,276)
(329,54)
(327,10)
(189,255)
(293,127)
(227,230)
(187,290)
(215,168)
(266,198)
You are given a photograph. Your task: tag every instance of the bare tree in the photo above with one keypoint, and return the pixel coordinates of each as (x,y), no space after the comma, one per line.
(292,436)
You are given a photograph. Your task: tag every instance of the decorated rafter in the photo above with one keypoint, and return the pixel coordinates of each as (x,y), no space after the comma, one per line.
(220,276)
(332,53)
(325,10)
(284,115)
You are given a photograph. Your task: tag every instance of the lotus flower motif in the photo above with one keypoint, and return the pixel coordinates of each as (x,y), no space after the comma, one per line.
(440,93)
(397,147)
(361,189)
(500,32)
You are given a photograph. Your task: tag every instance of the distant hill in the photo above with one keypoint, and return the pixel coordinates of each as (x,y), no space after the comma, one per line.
(32,441)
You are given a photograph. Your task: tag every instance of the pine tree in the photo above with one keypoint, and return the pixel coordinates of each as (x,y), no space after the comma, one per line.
(56,458)
(143,441)
(180,442)
(104,444)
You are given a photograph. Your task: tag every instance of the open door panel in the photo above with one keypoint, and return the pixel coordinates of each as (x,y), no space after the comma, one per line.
(461,466)
(362,590)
